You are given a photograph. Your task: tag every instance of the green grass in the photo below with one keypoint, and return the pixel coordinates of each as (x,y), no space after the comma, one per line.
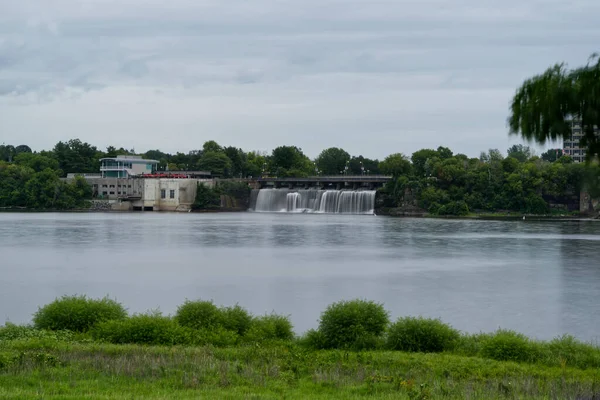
(50,368)
(212,352)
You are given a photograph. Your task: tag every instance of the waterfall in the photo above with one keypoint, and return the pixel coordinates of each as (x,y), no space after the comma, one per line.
(292,201)
(271,200)
(313,201)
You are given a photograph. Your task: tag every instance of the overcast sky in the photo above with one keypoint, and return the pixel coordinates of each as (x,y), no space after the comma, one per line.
(371,76)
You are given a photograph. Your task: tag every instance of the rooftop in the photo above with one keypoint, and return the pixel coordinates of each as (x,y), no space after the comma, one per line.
(133,159)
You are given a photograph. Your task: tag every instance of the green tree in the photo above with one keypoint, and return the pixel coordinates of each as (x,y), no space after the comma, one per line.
(206,198)
(444,152)
(552,155)
(212,146)
(12,183)
(45,191)
(77,156)
(162,158)
(360,164)
(419,158)
(217,163)
(395,164)
(290,161)
(255,164)
(520,152)
(544,105)
(37,162)
(79,190)
(112,151)
(493,155)
(7,152)
(23,148)
(238,161)
(332,160)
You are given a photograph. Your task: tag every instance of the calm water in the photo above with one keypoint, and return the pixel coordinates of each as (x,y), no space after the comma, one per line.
(540,278)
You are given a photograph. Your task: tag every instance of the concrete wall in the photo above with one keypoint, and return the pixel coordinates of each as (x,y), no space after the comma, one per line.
(113,188)
(589,205)
(167,195)
(149,191)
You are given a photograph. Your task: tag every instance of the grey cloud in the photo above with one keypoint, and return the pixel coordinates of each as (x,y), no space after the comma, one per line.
(134,68)
(328,71)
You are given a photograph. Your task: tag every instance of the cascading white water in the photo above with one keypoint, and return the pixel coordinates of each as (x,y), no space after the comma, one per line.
(292,201)
(270,200)
(313,200)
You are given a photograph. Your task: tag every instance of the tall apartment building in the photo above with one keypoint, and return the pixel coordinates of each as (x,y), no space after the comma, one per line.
(571,146)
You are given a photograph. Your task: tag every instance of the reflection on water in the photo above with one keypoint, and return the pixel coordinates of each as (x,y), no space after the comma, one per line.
(540,278)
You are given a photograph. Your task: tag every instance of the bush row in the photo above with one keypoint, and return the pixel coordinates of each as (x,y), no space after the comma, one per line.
(362,325)
(195,323)
(349,325)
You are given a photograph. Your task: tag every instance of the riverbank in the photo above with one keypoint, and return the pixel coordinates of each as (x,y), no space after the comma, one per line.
(91,348)
(54,369)
(500,216)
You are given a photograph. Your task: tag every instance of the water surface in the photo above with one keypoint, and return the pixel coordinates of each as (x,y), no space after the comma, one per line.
(540,278)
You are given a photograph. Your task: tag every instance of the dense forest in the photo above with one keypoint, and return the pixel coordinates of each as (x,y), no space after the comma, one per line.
(438,181)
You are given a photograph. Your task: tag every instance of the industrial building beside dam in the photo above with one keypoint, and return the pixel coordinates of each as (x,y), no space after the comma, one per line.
(131,183)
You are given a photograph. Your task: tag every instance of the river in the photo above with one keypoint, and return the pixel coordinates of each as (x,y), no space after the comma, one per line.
(541,278)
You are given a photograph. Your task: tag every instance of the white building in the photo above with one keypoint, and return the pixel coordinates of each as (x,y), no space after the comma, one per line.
(571,146)
(126,166)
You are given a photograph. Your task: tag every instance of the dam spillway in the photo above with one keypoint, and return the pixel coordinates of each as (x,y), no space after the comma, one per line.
(313,201)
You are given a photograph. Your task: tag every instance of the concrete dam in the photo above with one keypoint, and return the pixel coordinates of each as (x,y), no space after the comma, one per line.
(313,201)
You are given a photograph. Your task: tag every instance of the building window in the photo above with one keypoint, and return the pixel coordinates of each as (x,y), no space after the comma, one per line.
(104,193)
(172,194)
(104,186)
(163,193)
(129,186)
(112,192)
(112,186)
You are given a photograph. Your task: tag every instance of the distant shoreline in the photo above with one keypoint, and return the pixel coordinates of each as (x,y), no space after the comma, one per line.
(380,213)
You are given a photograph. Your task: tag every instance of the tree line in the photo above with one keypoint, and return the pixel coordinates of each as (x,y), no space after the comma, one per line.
(436,180)
(75,156)
(444,183)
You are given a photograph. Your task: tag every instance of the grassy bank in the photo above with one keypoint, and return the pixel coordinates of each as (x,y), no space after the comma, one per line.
(91,348)
(33,368)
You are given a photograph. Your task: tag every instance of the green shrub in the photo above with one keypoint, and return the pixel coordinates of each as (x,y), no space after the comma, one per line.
(535,204)
(454,208)
(236,319)
(18,332)
(6,359)
(219,337)
(269,327)
(355,324)
(421,335)
(77,313)
(199,315)
(206,198)
(571,352)
(505,345)
(240,191)
(470,345)
(434,208)
(152,328)
(314,339)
